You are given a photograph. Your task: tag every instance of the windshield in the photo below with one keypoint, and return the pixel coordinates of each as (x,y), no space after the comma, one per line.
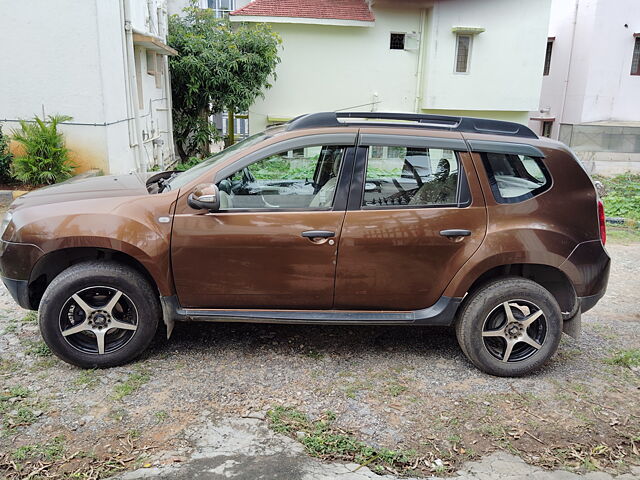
(194,172)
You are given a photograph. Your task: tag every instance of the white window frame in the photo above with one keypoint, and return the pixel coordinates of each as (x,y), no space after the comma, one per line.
(220,12)
(455,58)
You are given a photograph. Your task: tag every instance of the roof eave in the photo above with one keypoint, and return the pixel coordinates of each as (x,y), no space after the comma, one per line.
(302,20)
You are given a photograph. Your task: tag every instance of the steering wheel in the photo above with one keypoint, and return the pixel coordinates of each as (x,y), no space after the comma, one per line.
(415,173)
(247,176)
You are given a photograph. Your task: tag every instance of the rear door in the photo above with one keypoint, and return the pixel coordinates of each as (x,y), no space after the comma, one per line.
(416,214)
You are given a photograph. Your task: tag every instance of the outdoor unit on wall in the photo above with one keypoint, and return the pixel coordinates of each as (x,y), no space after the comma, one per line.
(412,41)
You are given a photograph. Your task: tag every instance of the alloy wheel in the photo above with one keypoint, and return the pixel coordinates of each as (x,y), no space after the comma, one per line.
(98,320)
(514,331)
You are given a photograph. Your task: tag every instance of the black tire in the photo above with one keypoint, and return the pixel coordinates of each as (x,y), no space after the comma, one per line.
(484,328)
(138,306)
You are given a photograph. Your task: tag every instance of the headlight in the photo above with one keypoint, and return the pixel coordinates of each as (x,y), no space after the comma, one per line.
(5,223)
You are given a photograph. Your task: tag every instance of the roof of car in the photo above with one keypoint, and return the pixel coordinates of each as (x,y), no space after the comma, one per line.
(412,120)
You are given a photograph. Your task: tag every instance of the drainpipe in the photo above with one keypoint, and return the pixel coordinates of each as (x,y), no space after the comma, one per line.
(133,86)
(419,73)
(566,81)
(167,93)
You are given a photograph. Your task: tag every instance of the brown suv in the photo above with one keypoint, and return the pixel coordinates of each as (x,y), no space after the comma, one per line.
(332,218)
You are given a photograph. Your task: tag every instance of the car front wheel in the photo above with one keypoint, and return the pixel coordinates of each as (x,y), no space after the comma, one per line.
(99,314)
(509,327)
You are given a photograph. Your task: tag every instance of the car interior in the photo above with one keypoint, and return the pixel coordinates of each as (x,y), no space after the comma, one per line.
(301,178)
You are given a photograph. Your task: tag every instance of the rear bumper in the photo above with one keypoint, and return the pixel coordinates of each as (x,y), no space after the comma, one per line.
(587,303)
(19,290)
(588,269)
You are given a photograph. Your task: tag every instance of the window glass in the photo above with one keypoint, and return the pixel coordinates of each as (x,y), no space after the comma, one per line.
(463,49)
(396,41)
(407,176)
(547,58)
(194,172)
(635,60)
(300,178)
(515,178)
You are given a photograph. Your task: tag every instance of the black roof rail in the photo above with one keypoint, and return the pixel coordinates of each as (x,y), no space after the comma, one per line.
(457,124)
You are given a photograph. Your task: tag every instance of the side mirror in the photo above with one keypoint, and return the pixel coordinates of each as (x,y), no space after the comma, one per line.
(205,197)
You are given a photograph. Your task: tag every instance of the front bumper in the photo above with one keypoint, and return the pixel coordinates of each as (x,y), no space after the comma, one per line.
(19,290)
(16,263)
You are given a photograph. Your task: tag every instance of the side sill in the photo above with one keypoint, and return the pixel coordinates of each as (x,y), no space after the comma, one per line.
(441,313)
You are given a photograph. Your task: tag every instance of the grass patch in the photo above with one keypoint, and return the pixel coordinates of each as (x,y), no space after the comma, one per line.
(625,358)
(130,385)
(395,389)
(36,348)
(86,378)
(623,234)
(30,317)
(53,450)
(161,415)
(324,440)
(11,327)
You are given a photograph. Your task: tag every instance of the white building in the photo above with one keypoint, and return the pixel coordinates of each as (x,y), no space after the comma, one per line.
(450,57)
(103,62)
(591,82)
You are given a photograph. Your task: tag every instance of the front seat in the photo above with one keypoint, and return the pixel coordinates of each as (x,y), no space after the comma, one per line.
(325,195)
(432,192)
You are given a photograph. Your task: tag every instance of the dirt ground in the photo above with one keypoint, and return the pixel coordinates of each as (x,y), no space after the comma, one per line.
(394,387)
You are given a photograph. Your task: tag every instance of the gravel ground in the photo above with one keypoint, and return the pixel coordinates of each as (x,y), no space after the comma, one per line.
(396,387)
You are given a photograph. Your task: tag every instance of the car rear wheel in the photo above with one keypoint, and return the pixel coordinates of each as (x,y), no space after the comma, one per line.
(509,327)
(99,314)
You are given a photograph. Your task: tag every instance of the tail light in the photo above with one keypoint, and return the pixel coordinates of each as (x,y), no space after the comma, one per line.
(601,219)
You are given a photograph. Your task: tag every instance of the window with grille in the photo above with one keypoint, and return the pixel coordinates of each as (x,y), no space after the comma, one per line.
(635,62)
(463,53)
(396,41)
(547,57)
(222,7)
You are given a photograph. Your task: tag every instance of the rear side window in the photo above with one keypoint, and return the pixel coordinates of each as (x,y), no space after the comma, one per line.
(515,178)
(413,177)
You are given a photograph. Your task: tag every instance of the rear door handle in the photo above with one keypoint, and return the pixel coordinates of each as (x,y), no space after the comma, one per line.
(455,233)
(318,234)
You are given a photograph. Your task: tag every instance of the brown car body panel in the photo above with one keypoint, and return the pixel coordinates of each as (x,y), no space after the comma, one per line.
(396,259)
(380,259)
(253,260)
(124,220)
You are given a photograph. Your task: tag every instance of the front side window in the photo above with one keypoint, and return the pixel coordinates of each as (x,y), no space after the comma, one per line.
(515,178)
(302,178)
(407,176)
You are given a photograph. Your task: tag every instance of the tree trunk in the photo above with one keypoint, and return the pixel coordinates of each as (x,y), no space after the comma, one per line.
(231,127)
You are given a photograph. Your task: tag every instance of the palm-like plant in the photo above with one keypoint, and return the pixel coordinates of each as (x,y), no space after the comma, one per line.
(45,159)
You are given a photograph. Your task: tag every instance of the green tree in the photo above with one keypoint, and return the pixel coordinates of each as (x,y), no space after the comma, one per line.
(45,159)
(220,67)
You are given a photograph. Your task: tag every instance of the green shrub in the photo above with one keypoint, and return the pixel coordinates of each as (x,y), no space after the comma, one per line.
(5,158)
(623,195)
(45,159)
(192,162)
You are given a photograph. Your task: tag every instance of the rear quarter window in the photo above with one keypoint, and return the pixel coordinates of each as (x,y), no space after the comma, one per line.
(515,178)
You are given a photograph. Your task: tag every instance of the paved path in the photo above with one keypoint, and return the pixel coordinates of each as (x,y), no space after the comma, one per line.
(245,449)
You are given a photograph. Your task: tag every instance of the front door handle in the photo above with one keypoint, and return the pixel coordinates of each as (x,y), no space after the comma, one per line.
(455,233)
(320,237)
(318,234)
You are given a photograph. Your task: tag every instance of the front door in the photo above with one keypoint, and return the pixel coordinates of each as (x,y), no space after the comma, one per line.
(399,248)
(273,243)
